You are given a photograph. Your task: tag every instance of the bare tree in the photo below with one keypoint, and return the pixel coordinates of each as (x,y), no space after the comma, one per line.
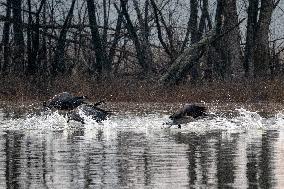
(140,51)
(232,41)
(102,63)
(140,36)
(193,21)
(18,53)
(5,40)
(261,50)
(250,37)
(229,64)
(58,65)
(31,62)
(42,54)
(195,36)
(166,33)
(116,37)
(144,31)
(107,66)
(191,56)
(160,33)
(204,17)
(33,39)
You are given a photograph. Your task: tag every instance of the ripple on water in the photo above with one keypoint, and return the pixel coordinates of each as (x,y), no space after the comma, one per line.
(137,150)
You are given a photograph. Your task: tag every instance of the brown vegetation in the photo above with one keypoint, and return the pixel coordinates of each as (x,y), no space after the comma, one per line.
(18,90)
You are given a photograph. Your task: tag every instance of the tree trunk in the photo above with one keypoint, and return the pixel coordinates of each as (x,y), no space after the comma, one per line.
(195,37)
(141,53)
(106,14)
(262,52)
(42,54)
(102,64)
(36,40)
(185,62)
(229,64)
(193,21)
(107,66)
(144,31)
(58,65)
(169,32)
(205,25)
(6,35)
(204,17)
(31,61)
(115,38)
(232,41)
(250,38)
(191,56)
(18,53)
(160,33)
(220,64)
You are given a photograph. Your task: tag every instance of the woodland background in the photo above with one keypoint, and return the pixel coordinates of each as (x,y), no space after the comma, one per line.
(148,50)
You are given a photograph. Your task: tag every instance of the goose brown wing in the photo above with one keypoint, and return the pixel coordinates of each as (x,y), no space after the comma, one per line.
(59,99)
(191,110)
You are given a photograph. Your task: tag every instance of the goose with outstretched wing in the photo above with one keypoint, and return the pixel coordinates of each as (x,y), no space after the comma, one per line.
(187,113)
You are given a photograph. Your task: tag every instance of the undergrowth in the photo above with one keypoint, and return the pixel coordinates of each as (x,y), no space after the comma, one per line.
(131,89)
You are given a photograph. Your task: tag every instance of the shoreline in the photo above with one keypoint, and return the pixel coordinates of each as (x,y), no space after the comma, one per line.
(135,90)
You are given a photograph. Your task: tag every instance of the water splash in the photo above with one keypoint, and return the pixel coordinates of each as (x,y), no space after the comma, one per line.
(241,121)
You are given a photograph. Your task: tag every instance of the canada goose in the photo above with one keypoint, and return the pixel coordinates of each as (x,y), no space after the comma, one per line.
(65,101)
(93,111)
(186,113)
(72,105)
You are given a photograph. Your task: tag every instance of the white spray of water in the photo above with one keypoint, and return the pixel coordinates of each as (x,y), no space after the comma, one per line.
(244,121)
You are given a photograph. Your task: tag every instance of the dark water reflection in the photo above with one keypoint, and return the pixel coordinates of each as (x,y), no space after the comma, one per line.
(127,158)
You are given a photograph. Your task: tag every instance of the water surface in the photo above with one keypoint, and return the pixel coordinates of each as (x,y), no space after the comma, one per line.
(237,146)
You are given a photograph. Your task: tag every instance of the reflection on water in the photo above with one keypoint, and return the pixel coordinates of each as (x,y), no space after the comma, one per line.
(135,150)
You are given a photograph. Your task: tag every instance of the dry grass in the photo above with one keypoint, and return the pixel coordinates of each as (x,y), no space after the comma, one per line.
(135,90)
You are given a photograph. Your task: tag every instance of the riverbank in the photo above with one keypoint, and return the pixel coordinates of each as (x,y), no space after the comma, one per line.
(137,90)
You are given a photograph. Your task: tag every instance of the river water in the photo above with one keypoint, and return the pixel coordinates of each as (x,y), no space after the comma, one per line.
(237,146)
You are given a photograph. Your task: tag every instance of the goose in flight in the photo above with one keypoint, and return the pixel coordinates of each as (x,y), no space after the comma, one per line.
(65,101)
(187,113)
(72,105)
(92,111)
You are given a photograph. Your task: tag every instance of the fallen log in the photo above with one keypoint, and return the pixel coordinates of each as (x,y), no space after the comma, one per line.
(182,65)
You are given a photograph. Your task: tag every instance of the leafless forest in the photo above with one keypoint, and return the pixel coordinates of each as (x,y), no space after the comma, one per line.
(171,41)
